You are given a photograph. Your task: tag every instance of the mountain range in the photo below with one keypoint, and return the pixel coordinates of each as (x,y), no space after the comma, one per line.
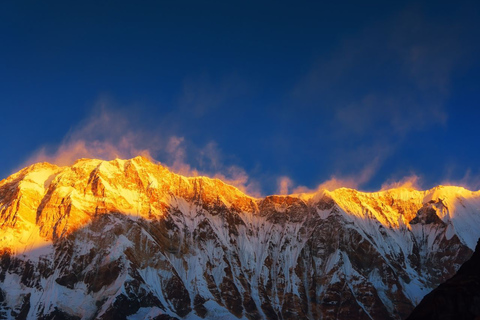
(129,239)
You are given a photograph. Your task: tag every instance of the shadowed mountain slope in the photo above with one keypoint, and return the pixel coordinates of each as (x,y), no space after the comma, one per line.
(457,298)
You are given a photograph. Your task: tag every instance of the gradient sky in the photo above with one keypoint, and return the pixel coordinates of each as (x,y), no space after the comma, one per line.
(273,94)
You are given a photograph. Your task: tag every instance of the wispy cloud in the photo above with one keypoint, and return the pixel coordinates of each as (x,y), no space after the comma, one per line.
(381,86)
(363,123)
(412,182)
(354,181)
(421,56)
(110,133)
(284,184)
(469,180)
(105,134)
(177,157)
(207,161)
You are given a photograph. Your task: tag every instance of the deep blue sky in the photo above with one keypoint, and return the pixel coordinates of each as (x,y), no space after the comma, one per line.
(369,92)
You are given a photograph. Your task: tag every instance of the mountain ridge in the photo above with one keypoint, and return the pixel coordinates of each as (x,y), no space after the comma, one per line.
(197,247)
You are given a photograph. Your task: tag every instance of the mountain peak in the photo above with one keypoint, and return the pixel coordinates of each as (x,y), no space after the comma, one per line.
(89,187)
(141,187)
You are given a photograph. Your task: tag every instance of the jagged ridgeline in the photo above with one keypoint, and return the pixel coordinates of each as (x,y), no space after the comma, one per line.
(128,239)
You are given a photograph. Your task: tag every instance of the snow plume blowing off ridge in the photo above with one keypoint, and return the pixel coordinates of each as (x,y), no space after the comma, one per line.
(111,133)
(410,182)
(335,182)
(108,134)
(105,134)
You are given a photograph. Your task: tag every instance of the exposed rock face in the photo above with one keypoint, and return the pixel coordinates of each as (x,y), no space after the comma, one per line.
(120,239)
(457,298)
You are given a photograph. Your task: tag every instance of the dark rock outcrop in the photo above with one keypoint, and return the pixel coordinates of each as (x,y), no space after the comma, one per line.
(458,298)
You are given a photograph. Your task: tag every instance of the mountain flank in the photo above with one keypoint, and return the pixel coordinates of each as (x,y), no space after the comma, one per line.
(129,239)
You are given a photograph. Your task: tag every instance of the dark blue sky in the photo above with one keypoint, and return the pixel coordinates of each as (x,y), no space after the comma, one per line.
(368,93)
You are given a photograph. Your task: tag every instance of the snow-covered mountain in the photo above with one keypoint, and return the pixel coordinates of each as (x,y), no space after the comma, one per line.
(128,239)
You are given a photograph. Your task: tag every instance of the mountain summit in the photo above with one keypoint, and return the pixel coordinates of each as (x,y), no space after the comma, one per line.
(128,239)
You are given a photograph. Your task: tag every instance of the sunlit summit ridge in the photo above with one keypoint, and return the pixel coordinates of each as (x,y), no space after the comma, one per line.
(142,188)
